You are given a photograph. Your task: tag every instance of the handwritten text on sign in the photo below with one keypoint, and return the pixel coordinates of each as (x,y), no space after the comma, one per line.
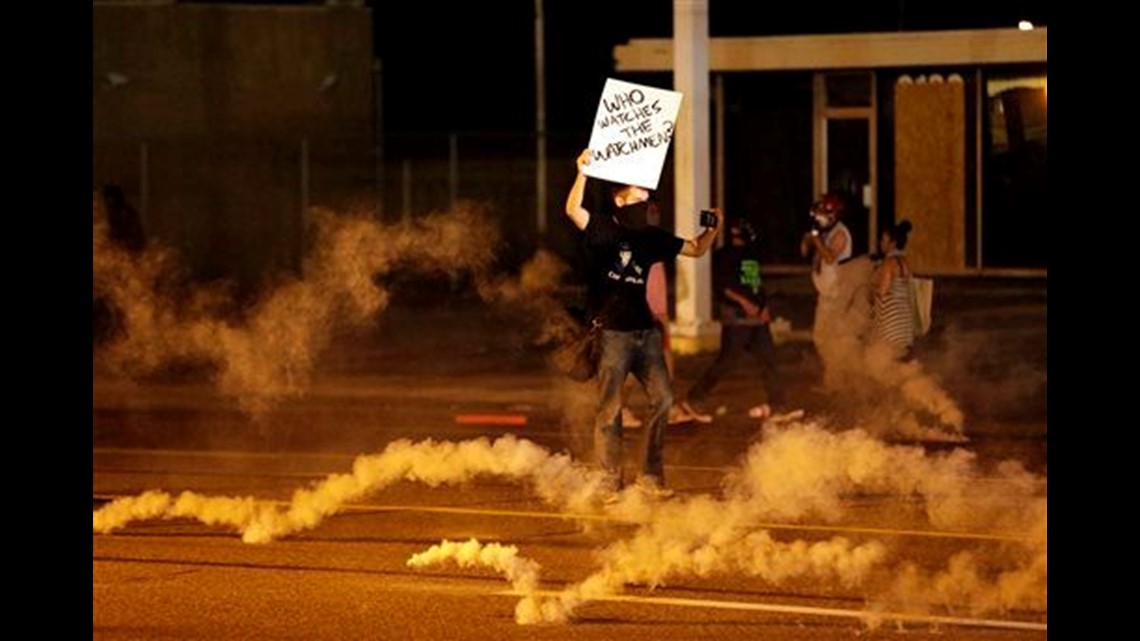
(632,132)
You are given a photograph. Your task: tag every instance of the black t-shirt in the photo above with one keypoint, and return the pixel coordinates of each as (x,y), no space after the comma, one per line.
(738,269)
(619,261)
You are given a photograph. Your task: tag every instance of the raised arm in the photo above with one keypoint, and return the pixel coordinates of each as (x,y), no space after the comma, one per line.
(830,250)
(574,208)
(696,247)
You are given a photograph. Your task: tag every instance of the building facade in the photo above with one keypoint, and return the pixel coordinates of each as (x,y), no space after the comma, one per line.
(947,129)
(222,123)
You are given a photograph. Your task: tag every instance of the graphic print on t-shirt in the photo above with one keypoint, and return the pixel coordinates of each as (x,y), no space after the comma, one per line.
(750,274)
(625,268)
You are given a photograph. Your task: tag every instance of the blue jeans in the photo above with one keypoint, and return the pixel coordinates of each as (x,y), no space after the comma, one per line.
(642,354)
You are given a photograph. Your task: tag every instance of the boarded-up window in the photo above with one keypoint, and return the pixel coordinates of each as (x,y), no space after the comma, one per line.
(930,171)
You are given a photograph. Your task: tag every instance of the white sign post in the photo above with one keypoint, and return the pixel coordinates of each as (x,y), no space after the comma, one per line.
(632,132)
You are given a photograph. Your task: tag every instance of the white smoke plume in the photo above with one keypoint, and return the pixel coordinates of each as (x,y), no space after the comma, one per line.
(216,510)
(792,473)
(920,392)
(980,581)
(520,571)
(893,398)
(971,582)
(267,353)
(531,296)
(555,477)
(755,555)
(804,469)
(993,382)
(678,546)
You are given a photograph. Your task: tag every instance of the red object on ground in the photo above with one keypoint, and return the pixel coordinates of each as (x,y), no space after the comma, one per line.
(490,419)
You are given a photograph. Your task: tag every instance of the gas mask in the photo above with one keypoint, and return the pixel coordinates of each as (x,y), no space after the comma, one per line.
(821,221)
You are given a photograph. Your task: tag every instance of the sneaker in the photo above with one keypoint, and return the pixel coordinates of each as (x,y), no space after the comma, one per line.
(696,415)
(761,411)
(628,419)
(610,491)
(786,417)
(651,489)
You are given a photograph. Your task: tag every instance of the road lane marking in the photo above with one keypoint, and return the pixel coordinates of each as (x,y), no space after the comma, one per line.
(863,615)
(277,456)
(575,516)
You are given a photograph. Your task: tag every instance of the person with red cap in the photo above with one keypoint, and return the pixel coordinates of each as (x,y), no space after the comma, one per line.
(829,240)
(842,311)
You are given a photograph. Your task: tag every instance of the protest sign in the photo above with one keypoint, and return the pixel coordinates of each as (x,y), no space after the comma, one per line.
(632,131)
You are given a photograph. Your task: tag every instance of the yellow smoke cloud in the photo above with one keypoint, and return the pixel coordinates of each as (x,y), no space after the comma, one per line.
(267,353)
(793,472)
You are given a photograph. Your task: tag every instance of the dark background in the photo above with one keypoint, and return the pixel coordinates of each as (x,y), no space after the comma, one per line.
(469,66)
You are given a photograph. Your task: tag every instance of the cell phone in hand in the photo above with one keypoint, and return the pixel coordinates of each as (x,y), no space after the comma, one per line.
(708,218)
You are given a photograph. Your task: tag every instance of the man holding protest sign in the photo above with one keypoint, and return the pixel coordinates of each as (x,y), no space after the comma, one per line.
(621,248)
(631,136)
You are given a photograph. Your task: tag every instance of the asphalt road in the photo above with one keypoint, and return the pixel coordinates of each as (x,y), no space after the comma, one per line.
(419,375)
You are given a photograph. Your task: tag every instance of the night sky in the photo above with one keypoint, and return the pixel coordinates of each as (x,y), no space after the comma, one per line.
(469,66)
(479,75)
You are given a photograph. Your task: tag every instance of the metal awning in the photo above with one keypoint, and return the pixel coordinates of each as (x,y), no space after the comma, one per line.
(847,51)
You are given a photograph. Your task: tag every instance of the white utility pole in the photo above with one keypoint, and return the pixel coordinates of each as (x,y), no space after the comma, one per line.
(694,328)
